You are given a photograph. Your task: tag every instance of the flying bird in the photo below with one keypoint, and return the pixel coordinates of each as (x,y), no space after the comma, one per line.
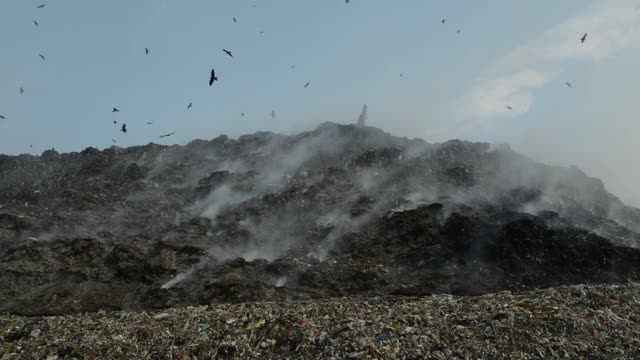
(113,140)
(273,114)
(242,114)
(347,1)
(458,31)
(306,85)
(124,128)
(213,77)
(41,6)
(35,22)
(227,52)
(115,110)
(568,84)
(583,38)
(444,20)
(2,117)
(149,123)
(41,56)
(115,122)
(146,51)
(509,107)
(21,91)
(189,106)
(167,135)
(234,19)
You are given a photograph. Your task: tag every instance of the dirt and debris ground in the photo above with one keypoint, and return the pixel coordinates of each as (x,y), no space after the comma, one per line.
(342,242)
(572,322)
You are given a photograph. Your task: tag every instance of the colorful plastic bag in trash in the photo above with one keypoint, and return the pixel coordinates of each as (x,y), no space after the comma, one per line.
(259,324)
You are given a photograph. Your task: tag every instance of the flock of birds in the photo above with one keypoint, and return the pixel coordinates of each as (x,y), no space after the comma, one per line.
(582,40)
(213,78)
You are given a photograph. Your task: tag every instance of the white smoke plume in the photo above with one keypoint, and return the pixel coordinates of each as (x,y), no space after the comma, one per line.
(362,119)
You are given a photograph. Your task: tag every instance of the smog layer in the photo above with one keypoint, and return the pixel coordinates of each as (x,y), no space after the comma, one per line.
(341,210)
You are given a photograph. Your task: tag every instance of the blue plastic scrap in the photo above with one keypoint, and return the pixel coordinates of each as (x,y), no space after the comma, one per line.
(383,338)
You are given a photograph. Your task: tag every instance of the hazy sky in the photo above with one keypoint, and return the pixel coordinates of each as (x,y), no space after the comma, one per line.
(516,53)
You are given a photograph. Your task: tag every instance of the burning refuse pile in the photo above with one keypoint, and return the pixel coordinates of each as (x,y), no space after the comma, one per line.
(341,210)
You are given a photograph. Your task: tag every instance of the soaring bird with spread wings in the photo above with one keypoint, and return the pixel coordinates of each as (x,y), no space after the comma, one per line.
(213,77)
(167,135)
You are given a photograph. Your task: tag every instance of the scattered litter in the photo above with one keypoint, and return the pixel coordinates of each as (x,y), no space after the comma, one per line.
(160,316)
(357,355)
(383,338)
(582,325)
(408,331)
(259,324)
(133,330)
(538,309)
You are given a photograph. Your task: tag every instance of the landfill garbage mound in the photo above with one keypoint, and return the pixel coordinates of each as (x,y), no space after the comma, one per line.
(570,322)
(341,210)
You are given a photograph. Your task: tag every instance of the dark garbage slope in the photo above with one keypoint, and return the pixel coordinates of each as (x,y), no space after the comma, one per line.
(337,211)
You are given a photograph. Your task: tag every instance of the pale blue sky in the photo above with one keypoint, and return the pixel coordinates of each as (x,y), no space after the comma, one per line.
(453,85)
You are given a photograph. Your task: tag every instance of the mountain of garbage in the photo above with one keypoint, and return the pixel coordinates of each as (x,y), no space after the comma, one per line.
(342,210)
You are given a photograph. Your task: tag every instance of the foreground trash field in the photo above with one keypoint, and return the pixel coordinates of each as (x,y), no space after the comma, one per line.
(586,322)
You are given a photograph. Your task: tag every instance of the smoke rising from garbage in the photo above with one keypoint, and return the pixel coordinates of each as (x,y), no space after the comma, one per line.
(337,210)
(362,119)
(384,175)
